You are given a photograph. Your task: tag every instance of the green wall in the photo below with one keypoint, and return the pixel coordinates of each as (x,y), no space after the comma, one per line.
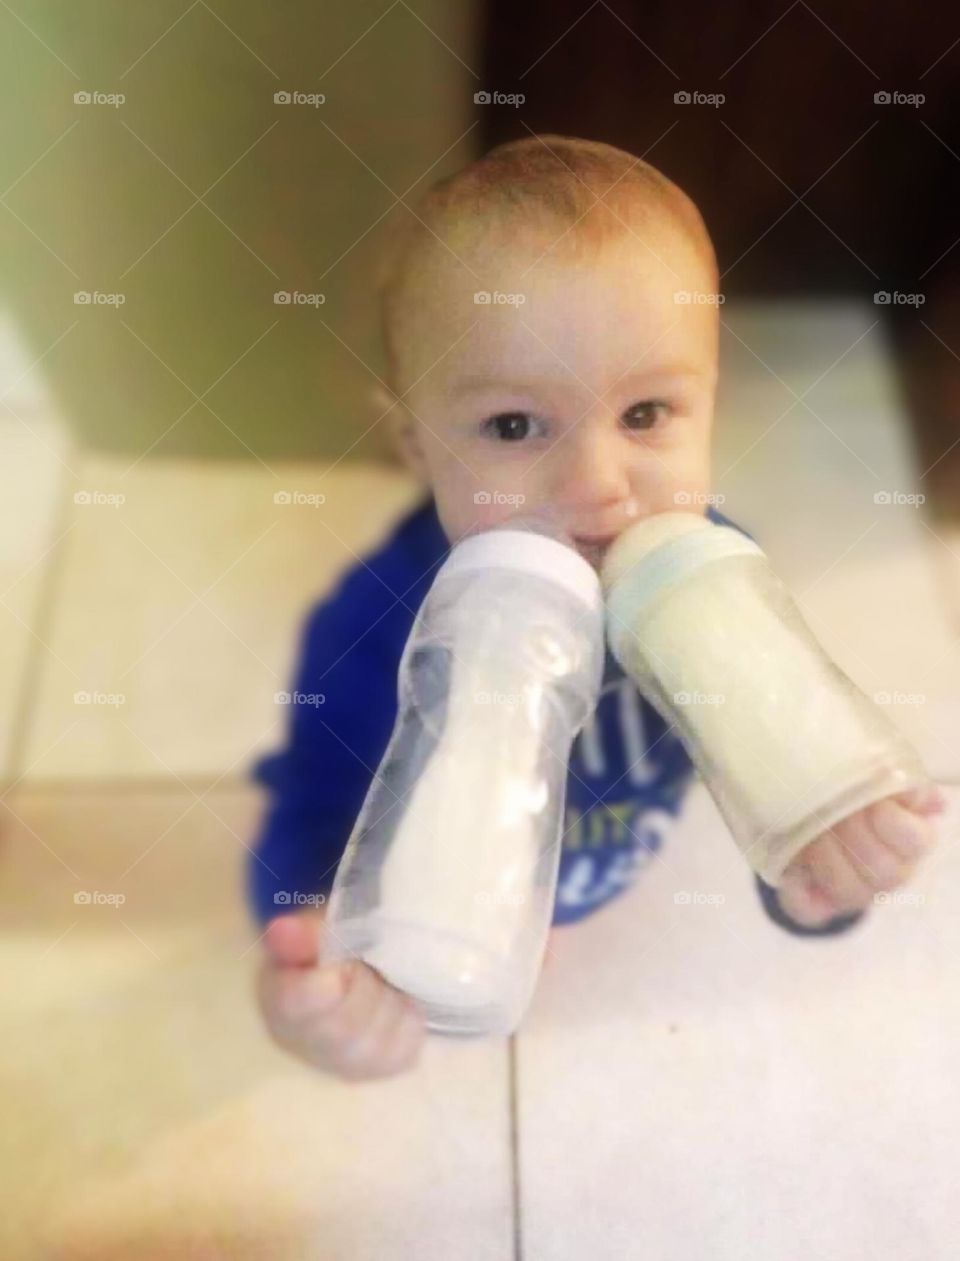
(103,199)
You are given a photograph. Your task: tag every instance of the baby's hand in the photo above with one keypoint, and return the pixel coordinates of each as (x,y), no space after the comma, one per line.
(340,1017)
(875,849)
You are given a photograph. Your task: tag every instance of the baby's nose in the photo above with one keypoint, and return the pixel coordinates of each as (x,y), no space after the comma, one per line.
(592,481)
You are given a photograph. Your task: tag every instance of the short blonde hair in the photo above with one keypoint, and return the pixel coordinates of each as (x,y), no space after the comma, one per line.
(539,182)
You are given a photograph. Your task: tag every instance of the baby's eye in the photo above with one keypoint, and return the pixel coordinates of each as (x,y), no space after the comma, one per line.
(509,426)
(645,415)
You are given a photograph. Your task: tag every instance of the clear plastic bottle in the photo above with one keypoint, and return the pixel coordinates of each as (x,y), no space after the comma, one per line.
(787,744)
(448,880)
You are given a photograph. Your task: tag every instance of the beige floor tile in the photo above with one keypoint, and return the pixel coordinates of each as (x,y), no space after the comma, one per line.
(180,607)
(882,619)
(148,1115)
(803,475)
(745,1092)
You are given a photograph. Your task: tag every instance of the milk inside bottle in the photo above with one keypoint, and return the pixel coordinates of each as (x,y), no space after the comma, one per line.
(787,744)
(448,881)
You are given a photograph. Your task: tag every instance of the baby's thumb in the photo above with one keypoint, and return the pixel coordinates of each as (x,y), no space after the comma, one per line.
(293,940)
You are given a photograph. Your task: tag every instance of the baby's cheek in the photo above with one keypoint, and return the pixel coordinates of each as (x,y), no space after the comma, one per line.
(464,509)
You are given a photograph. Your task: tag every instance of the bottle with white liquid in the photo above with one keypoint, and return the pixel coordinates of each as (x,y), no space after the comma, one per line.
(448,881)
(787,744)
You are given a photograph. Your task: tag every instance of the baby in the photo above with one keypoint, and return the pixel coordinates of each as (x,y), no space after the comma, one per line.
(551,337)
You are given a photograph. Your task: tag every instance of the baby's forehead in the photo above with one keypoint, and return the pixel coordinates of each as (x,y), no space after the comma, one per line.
(590,300)
(645,254)
(626,278)
(571,345)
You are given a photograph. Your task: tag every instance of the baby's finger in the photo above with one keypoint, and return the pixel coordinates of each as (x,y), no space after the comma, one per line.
(873,861)
(388,1044)
(835,874)
(308,1013)
(358,1030)
(907,834)
(803,900)
(365,999)
(293,940)
(290,997)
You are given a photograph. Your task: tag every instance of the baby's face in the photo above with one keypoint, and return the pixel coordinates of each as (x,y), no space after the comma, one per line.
(593,397)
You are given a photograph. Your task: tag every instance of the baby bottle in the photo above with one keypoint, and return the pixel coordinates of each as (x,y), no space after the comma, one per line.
(448,880)
(787,744)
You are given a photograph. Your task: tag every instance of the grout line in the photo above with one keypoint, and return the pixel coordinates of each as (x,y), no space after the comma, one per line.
(134,784)
(513,1104)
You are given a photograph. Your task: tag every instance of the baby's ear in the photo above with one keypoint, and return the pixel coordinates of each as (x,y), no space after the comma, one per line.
(402,437)
(381,398)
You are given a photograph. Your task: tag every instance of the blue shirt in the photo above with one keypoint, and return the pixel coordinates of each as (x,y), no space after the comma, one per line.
(627,774)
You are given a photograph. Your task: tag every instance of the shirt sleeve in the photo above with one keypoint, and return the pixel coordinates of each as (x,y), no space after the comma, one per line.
(339,719)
